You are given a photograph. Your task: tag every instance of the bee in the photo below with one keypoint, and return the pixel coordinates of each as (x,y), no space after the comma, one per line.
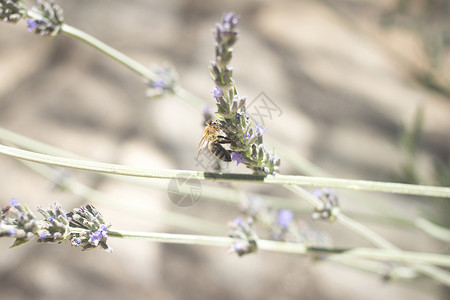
(213,139)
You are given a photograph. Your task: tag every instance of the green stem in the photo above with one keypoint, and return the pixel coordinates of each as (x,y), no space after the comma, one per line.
(432,229)
(293,248)
(225,194)
(179,220)
(195,175)
(209,192)
(385,270)
(111,52)
(128,62)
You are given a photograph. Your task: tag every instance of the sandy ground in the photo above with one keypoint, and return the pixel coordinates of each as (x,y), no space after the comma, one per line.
(344,75)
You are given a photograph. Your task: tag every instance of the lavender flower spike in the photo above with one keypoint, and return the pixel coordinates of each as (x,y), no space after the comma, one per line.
(12,10)
(245,140)
(50,18)
(84,227)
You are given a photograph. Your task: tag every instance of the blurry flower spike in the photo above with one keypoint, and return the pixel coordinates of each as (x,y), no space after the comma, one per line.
(330,204)
(12,10)
(166,81)
(245,237)
(47,18)
(284,218)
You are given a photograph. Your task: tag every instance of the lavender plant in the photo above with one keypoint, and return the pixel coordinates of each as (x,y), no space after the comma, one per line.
(84,227)
(246,141)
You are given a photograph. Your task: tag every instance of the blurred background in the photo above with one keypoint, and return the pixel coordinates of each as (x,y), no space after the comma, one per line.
(363,90)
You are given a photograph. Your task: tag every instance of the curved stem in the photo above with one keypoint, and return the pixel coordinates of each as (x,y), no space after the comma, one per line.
(111,52)
(387,187)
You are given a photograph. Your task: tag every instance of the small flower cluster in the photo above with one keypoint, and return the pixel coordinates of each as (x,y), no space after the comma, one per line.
(95,228)
(56,227)
(44,19)
(49,18)
(285,228)
(84,227)
(165,83)
(247,142)
(282,224)
(18,222)
(244,235)
(330,204)
(12,10)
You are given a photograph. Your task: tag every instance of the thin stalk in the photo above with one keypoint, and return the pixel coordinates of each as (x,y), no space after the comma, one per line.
(433,230)
(209,192)
(167,217)
(196,175)
(228,195)
(386,271)
(406,257)
(111,52)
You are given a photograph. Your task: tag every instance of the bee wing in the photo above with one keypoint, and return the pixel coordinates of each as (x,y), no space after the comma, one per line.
(203,143)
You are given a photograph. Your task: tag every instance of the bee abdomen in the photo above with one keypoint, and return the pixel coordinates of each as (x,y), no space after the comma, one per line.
(220,152)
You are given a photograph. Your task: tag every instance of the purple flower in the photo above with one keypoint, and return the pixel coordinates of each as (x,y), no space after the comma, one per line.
(32,24)
(95,238)
(260,130)
(11,232)
(50,219)
(285,217)
(14,202)
(104,230)
(238,221)
(247,135)
(159,84)
(42,235)
(317,193)
(231,19)
(217,92)
(266,170)
(325,192)
(238,247)
(98,235)
(237,157)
